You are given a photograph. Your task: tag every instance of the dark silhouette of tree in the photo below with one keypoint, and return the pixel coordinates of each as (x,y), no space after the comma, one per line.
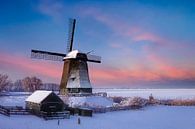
(31,83)
(17,86)
(4,82)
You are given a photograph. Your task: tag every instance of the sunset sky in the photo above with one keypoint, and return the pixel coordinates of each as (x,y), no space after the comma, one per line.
(143,43)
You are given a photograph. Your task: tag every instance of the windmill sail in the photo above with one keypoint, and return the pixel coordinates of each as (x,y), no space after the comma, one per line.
(75,75)
(93,58)
(37,54)
(72,23)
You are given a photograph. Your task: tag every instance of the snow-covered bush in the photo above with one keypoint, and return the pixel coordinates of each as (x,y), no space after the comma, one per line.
(138,101)
(88,101)
(117,99)
(135,101)
(152,100)
(178,102)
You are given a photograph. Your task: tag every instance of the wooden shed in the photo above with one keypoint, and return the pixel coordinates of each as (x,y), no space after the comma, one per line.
(85,112)
(80,111)
(44,101)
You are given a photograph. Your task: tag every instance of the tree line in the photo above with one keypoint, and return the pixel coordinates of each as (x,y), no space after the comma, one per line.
(27,84)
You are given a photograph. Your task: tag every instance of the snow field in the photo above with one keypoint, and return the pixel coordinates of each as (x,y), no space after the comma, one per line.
(156,117)
(145,93)
(91,101)
(152,117)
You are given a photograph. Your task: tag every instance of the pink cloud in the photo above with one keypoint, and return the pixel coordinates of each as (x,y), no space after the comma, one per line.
(106,75)
(24,64)
(166,69)
(120,27)
(138,76)
(147,37)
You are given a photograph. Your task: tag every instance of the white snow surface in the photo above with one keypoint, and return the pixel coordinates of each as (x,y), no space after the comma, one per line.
(91,101)
(156,117)
(145,93)
(38,96)
(72,54)
(12,101)
(152,117)
(157,93)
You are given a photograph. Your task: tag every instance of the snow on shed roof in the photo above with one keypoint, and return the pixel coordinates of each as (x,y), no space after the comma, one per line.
(38,96)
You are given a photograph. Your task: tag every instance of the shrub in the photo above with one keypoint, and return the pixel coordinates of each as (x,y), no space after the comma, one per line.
(117,99)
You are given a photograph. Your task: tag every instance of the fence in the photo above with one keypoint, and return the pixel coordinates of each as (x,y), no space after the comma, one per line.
(13,110)
(55,115)
(117,108)
(4,111)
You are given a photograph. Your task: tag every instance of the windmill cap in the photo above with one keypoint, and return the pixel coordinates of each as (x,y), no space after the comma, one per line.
(76,54)
(72,55)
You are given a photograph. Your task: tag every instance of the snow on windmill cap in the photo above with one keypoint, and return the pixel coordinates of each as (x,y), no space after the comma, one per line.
(72,54)
(77,54)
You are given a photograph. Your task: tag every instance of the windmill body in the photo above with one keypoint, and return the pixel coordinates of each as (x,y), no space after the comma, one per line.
(75,75)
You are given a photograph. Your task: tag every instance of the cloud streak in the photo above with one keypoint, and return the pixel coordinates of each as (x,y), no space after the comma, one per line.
(100,76)
(119,27)
(52,8)
(31,67)
(157,68)
(125,77)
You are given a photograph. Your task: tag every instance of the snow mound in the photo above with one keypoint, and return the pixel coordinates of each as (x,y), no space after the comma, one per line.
(88,101)
(135,101)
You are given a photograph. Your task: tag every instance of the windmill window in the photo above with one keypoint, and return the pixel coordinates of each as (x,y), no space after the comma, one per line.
(73,78)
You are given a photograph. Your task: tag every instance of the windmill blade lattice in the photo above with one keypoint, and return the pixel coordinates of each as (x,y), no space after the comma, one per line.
(37,54)
(72,23)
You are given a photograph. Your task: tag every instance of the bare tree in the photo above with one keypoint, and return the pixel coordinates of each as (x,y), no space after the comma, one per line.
(4,81)
(26,83)
(31,83)
(37,83)
(17,86)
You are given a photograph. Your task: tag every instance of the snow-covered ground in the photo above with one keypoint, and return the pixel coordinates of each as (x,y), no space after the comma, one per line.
(157,93)
(13,100)
(145,93)
(73,101)
(92,101)
(156,117)
(152,117)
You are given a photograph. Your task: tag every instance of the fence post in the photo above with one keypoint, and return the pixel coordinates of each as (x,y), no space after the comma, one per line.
(79,120)
(8,112)
(58,122)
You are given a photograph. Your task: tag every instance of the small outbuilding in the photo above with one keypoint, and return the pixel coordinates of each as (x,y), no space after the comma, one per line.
(85,112)
(44,102)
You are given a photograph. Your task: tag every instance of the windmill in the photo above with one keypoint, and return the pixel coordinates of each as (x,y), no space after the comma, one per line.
(75,75)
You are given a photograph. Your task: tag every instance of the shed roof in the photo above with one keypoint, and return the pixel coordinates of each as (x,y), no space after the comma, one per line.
(38,96)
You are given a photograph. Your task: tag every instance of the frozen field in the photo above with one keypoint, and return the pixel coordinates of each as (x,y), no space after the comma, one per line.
(156,117)
(12,100)
(157,93)
(145,93)
(153,117)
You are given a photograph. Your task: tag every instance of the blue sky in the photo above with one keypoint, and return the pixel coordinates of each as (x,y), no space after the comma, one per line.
(141,42)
